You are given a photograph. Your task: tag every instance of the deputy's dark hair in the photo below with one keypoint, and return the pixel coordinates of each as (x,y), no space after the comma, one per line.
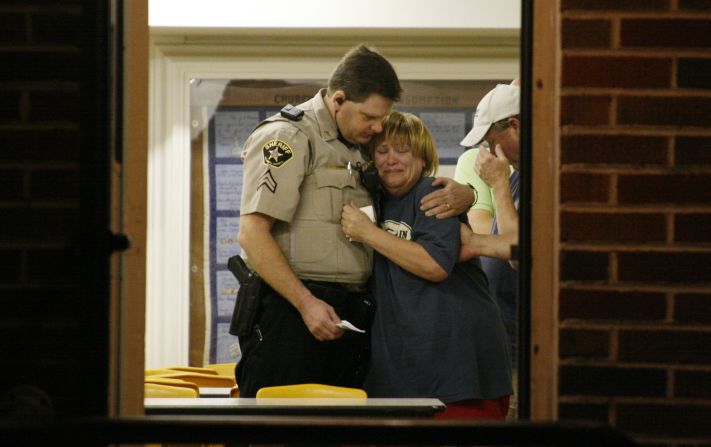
(363,71)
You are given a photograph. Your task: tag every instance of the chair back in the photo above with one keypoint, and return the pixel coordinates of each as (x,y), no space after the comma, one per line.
(159,390)
(311,390)
(201,380)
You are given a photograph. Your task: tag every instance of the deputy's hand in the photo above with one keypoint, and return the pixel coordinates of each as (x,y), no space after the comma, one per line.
(321,319)
(451,200)
(355,223)
(492,168)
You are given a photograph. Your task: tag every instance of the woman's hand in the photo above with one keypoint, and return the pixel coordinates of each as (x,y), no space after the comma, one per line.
(355,223)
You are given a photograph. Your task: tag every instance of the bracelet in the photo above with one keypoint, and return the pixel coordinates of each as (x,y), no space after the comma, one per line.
(476,193)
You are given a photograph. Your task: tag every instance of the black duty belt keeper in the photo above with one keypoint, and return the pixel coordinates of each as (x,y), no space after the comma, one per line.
(359,304)
(326,290)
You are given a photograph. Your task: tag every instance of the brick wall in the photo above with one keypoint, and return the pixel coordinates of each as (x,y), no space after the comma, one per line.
(635,217)
(52,321)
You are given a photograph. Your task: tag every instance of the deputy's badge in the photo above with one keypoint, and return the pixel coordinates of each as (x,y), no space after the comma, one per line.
(276,153)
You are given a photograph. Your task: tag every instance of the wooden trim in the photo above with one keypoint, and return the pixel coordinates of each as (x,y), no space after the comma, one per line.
(132,308)
(544,210)
(198,321)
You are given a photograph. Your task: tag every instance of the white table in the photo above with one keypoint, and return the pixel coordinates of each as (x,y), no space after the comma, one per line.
(295,406)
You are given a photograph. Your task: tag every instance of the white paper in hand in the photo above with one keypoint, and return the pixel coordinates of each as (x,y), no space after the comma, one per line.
(369,211)
(347,325)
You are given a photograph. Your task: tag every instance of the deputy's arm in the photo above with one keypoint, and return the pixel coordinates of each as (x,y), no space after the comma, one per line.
(452,200)
(267,259)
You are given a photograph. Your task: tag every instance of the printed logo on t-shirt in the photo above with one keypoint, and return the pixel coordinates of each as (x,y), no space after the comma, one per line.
(399,229)
(276,153)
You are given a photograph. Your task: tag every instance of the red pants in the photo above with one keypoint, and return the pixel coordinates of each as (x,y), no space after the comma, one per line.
(491,409)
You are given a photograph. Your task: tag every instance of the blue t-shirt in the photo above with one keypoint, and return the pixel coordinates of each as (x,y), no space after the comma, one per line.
(503,281)
(443,340)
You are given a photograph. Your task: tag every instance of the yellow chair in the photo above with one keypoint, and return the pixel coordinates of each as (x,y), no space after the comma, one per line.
(195,369)
(311,390)
(223,369)
(234,391)
(171,382)
(174,369)
(201,380)
(159,390)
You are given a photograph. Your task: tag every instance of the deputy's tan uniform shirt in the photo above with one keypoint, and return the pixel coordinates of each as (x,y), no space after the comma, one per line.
(296,172)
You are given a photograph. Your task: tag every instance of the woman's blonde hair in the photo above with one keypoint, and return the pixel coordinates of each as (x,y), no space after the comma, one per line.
(401,128)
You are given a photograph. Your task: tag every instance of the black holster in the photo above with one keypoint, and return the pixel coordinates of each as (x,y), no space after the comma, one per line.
(248,297)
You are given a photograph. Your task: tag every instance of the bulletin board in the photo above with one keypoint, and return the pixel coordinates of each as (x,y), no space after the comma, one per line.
(233,109)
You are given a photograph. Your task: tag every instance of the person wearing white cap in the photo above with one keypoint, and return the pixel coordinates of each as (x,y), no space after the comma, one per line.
(497,122)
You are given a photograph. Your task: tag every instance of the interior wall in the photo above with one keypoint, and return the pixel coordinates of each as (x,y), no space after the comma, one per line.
(255,54)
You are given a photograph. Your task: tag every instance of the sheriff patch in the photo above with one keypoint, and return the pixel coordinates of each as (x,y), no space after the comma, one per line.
(276,153)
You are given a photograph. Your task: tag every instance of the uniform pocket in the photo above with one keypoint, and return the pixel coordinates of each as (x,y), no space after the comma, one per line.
(333,188)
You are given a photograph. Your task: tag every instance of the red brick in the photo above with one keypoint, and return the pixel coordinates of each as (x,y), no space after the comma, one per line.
(617,72)
(666,420)
(665,347)
(612,227)
(692,227)
(50,338)
(693,73)
(32,304)
(36,225)
(56,29)
(615,5)
(55,106)
(611,305)
(684,111)
(56,266)
(583,266)
(12,184)
(692,151)
(13,30)
(10,106)
(10,265)
(695,384)
(665,267)
(695,5)
(583,412)
(582,33)
(667,188)
(34,145)
(51,184)
(692,308)
(656,33)
(611,381)
(582,343)
(40,66)
(577,187)
(585,110)
(614,149)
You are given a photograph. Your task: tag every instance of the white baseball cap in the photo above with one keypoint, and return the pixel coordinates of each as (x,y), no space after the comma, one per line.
(501,102)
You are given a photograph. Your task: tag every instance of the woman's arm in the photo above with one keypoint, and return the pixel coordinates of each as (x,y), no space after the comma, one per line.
(409,255)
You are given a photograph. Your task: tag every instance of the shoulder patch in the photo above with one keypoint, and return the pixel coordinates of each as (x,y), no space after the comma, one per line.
(276,153)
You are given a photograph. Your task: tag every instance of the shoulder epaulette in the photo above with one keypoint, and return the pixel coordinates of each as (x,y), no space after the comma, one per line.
(292,112)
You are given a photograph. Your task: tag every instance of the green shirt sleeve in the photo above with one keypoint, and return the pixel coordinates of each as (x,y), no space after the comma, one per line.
(464,173)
